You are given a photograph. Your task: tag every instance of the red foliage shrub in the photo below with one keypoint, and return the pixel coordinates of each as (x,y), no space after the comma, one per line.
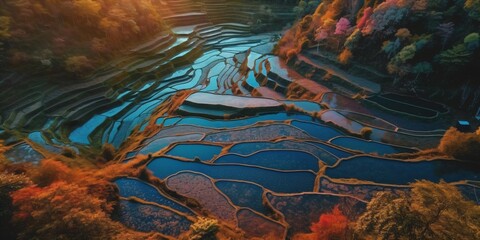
(330,226)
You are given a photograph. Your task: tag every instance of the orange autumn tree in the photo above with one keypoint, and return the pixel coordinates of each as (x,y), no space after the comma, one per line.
(330,226)
(62,211)
(72,203)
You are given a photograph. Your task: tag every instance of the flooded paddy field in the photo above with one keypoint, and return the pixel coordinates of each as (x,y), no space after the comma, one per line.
(215,113)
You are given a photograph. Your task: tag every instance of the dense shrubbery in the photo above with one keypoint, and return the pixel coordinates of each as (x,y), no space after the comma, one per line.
(54,201)
(204,228)
(332,225)
(465,146)
(9,182)
(74,35)
(430,211)
(366,132)
(418,42)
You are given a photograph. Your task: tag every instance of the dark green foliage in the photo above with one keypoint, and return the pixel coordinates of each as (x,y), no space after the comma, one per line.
(305,7)
(9,183)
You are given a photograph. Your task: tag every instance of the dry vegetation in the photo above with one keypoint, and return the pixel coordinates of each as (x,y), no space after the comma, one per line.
(464,146)
(74,35)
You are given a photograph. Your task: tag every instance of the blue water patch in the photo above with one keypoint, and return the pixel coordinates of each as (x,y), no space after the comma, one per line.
(318,131)
(276,159)
(114,111)
(149,218)
(243,194)
(335,151)
(170,121)
(37,138)
(252,80)
(288,182)
(397,172)
(80,135)
(129,187)
(215,71)
(23,153)
(246,148)
(305,105)
(207,56)
(159,144)
(204,152)
(190,84)
(368,146)
(204,122)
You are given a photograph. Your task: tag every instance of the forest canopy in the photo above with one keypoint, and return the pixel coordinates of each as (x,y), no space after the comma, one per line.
(421,43)
(74,35)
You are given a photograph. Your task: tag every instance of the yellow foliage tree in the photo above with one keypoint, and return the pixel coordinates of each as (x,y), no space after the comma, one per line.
(345,56)
(431,212)
(465,146)
(78,64)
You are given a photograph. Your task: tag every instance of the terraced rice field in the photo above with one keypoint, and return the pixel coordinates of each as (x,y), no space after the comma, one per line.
(237,142)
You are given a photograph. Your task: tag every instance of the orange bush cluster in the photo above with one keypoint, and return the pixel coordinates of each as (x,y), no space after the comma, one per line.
(67,203)
(332,225)
(465,146)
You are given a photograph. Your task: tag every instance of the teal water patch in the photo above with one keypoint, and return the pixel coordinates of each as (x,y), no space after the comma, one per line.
(204,152)
(204,122)
(80,135)
(288,182)
(23,153)
(333,150)
(158,144)
(114,111)
(369,146)
(37,138)
(129,187)
(243,194)
(305,105)
(388,171)
(276,159)
(246,148)
(252,80)
(149,218)
(321,132)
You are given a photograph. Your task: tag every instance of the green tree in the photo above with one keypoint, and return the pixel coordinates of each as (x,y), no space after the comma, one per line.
(473,9)
(472,41)
(455,57)
(429,211)
(422,68)
(398,64)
